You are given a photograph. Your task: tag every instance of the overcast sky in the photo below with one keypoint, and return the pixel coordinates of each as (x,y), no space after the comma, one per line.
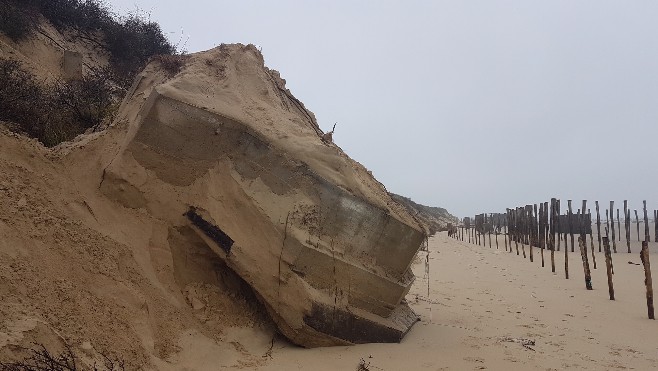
(469,105)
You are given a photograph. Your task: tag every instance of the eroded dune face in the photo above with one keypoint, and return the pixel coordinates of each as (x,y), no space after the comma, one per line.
(224,149)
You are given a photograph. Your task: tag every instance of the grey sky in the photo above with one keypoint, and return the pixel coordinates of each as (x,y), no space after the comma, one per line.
(469,105)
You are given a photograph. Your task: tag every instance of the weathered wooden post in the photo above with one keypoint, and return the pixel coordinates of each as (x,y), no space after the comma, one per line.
(566,248)
(637,225)
(582,243)
(612,224)
(644,257)
(535,229)
(489,228)
(655,225)
(542,232)
(506,229)
(520,227)
(551,237)
(497,229)
(515,217)
(618,225)
(527,230)
(647,237)
(583,254)
(627,227)
(598,224)
(608,267)
(591,235)
(570,223)
(546,226)
(558,225)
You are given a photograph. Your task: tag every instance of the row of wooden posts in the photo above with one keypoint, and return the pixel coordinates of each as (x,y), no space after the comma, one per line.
(538,226)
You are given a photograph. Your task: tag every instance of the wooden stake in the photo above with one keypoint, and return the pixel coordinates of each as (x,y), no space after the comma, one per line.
(612,224)
(566,249)
(583,254)
(582,243)
(557,224)
(647,237)
(618,225)
(570,221)
(542,233)
(637,225)
(591,236)
(516,230)
(627,227)
(655,225)
(551,237)
(598,224)
(608,267)
(505,234)
(644,257)
(527,230)
(490,227)
(534,225)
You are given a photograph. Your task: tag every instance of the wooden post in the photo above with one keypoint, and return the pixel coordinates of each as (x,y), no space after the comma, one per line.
(522,229)
(542,234)
(516,229)
(506,229)
(637,225)
(655,225)
(527,213)
(618,225)
(644,257)
(551,237)
(583,254)
(557,225)
(647,237)
(612,225)
(546,226)
(566,249)
(598,224)
(591,235)
(627,227)
(490,227)
(497,229)
(608,267)
(570,221)
(535,229)
(582,243)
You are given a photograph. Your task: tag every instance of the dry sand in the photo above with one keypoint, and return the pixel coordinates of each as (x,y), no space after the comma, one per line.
(479,295)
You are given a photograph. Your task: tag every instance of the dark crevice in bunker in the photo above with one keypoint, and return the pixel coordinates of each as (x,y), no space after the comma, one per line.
(212,231)
(348,326)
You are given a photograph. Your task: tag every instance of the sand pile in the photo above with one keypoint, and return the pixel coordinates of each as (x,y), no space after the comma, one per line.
(102,245)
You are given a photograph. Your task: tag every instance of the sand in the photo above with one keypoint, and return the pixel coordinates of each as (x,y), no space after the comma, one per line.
(480,295)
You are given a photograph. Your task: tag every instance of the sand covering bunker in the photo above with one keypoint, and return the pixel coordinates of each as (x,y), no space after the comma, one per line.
(224,148)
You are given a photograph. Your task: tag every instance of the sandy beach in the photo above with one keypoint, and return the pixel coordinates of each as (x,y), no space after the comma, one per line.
(481,295)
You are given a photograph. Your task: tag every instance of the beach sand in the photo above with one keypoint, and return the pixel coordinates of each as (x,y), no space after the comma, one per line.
(481,295)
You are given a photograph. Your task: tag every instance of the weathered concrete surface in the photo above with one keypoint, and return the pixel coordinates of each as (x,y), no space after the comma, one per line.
(317,238)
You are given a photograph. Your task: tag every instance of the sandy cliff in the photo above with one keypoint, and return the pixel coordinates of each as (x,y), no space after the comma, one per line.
(209,211)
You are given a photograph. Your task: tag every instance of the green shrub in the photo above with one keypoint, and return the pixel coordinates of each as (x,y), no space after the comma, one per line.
(130,41)
(56,112)
(15,22)
(39,358)
(59,111)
